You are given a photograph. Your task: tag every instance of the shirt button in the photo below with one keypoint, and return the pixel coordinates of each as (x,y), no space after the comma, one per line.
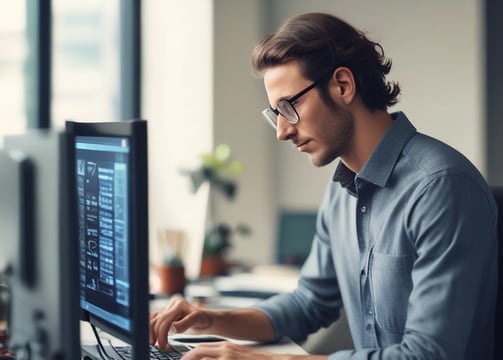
(363,209)
(371,312)
(368,327)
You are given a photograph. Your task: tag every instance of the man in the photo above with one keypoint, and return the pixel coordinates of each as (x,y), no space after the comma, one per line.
(406,234)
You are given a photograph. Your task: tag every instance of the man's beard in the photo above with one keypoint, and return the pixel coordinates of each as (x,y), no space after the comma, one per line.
(341,130)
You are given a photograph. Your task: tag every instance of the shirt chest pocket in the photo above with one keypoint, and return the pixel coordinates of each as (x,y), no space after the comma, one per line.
(391,285)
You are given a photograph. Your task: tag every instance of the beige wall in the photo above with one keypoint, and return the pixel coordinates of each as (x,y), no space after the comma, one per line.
(436,49)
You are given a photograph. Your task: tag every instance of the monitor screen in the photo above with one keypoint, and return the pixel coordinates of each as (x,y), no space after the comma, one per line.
(102,200)
(111,202)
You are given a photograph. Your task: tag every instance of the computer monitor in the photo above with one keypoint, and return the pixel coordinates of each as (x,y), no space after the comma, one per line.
(295,236)
(37,254)
(111,195)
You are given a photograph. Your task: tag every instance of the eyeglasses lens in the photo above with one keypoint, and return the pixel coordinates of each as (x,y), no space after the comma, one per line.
(271,117)
(288,112)
(285,109)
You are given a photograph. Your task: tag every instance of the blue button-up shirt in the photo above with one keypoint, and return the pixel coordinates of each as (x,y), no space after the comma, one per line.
(408,247)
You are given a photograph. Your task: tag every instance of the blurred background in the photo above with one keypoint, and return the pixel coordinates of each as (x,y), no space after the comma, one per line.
(185,67)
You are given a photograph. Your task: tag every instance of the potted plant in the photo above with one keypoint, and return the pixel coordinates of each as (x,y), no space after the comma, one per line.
(219,171)
(171,271)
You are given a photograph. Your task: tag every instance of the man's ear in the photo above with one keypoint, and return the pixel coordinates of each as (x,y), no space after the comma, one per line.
(343,85)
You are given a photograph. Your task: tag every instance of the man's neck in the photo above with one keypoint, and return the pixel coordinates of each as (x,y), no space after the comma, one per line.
(369,129)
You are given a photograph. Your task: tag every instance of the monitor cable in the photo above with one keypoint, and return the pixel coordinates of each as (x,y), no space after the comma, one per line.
(101,348)
(114,349)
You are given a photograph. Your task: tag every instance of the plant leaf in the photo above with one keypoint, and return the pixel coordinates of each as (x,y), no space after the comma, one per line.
(222,152)
(235,168)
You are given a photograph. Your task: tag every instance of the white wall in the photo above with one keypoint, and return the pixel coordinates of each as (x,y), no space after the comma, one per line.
(199,91)
(178,104)
(238,101)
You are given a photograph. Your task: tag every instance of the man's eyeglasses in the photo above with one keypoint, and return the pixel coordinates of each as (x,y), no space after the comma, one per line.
(285,107)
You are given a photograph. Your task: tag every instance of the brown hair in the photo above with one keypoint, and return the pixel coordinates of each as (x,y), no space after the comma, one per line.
(320,43)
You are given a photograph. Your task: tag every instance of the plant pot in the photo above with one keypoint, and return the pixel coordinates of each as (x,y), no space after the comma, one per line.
(212,266)
(171,279)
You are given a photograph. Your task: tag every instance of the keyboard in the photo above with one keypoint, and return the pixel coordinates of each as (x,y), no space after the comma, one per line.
(155,353)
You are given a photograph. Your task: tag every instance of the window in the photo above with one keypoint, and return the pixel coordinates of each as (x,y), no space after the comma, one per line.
(86,68)
(68,59)
(14,45)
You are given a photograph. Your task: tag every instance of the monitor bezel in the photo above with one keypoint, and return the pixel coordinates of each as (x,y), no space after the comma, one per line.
(136,131)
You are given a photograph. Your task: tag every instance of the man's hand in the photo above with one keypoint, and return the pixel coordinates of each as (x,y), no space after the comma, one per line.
(228,351)
(179,316)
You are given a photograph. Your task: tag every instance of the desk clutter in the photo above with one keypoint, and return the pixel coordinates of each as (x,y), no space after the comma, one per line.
(243,289)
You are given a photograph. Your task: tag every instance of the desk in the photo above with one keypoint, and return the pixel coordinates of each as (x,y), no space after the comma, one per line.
(213,299)
(283,347)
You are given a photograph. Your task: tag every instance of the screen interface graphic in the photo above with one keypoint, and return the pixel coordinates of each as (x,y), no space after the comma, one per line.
(102,198)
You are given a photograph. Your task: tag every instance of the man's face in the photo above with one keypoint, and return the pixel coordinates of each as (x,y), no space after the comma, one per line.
(324,132)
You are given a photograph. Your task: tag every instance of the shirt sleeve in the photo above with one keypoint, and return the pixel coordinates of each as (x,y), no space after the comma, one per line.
(317,300)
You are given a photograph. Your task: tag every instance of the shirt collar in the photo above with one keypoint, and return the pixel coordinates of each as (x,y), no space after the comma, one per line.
(345,176)
(381,163)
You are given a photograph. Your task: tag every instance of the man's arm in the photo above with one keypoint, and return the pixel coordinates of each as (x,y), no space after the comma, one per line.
(180,316)
(229,351)
(249,324)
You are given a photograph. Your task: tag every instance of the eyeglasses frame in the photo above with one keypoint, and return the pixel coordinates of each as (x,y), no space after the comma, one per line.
(290,102)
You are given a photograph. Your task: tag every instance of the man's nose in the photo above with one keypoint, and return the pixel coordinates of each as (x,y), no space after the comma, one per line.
(284,130)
